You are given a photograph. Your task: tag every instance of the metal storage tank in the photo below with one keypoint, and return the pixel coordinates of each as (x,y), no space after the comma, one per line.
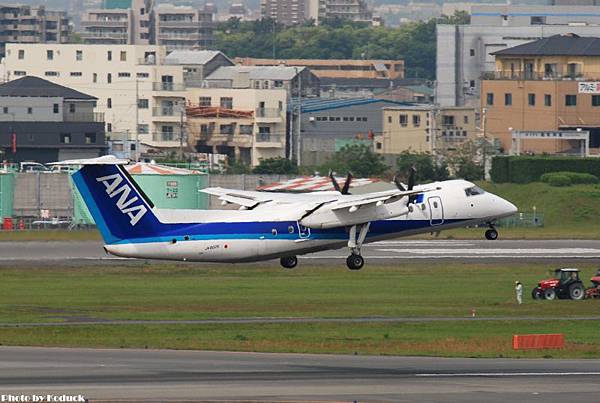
(167,187)
(7,181)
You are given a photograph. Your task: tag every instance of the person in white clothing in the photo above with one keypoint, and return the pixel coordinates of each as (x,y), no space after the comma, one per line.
(519,291)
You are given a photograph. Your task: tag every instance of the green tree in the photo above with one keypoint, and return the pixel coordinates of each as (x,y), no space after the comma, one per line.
(278,165)
(236,167)
(427,169)
(358,159)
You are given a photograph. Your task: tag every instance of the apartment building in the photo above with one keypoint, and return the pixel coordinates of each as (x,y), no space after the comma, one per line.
(337,68)
(32,24)
(118,23)
(198,64)
(141,22)
(549,85)
(45,122)
(141,96)
(420,128)
(247,124)
(464,52)
(351,10)
(286,12)
(182,27)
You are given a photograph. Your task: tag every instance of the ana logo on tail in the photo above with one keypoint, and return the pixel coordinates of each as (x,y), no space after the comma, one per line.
(112,182)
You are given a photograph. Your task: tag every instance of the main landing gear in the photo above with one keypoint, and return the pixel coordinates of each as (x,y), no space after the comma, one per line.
(355,261)
(289,262)
(491,234)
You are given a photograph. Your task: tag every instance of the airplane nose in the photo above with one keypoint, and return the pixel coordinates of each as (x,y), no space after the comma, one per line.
(508,208)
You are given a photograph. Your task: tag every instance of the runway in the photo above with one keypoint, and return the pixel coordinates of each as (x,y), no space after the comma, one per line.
(385,252)
(164,375)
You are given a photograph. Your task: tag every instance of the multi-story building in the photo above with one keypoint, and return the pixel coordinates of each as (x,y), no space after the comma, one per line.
(140,22)
(118,23)
(30,24)
(464,52)
(198,64)
(352,10)
(421,128)
(287,12)
(138,93)
(247,124)
(549,85)
(44,122)
(337,68)
(182,27)
(329,124)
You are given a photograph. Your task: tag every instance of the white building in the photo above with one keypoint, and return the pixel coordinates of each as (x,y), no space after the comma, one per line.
(139,95)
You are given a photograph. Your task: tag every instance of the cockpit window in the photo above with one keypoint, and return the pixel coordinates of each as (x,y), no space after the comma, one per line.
(474,191)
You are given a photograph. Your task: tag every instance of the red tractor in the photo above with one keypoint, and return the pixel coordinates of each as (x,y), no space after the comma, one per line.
(594,290)
(564,285)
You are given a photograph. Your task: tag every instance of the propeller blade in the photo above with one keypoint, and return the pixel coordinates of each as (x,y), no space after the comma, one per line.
(347,184)
(336,186)
(411,177)
(398,184)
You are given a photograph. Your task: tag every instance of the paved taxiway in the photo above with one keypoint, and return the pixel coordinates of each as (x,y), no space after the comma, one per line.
(163,375)
(385,252)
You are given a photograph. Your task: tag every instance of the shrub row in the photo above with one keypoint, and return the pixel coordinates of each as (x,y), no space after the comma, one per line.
(530,169)
(568,178)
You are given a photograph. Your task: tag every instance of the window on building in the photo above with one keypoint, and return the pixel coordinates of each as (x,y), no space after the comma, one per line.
(537,20)
(448,120)
(595,100)
(76,74)
(389,119)
(95,78)
(246,129)
(403,120)
(124,75)
(472,83)
(20,73)
(51,74)
(71,108)
(65,138)
(79,55)
(55,108)
(226,129)
(109,103)
(142,75)
(143,103)
(531,99)
(29,110)
(109,127)
(507,99)
(167,133)
(378,145)
(49,55)
(204,101)
(109,78)
(570,100)
(90,138)
(489,98)
(550,70)
(264,130)
(132,147)
(277,83)
(547,100)
(466,119)
(109,55)
(471,52)
(123,56)
(21,54)
(227,102)
(143,128)
(5,109)
(416,120)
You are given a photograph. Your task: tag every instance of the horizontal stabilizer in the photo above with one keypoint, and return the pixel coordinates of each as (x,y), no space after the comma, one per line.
(104,160)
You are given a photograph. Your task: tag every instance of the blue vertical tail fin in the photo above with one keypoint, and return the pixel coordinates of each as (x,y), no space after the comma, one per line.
(118,205)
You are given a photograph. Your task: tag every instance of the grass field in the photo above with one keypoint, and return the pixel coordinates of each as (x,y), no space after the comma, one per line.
(170,292)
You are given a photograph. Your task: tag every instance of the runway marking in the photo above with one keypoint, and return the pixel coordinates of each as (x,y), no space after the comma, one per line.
(497,251)
(504,374)
(408,257)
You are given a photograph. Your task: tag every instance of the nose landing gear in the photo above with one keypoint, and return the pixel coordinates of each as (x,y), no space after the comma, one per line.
(491,234)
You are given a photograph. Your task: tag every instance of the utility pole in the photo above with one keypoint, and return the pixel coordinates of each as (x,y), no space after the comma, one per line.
(298,138)
(182,110)
(137,121)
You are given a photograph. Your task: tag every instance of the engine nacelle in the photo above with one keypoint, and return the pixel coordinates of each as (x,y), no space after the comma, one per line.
(328,218)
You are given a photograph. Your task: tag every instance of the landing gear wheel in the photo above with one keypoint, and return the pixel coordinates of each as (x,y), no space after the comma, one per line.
(289,262)
(576,291)
(491,234)
(549,294)
(355,262)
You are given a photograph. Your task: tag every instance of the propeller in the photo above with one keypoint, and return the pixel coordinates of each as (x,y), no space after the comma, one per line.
(336,185)
(411,184)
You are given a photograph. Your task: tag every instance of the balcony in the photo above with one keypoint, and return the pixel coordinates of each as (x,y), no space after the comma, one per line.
(166,136)
(162,111)
(105,23)
(273,115)
(168,86)
(268,140)
(104,35)
(84,117)
(534,76)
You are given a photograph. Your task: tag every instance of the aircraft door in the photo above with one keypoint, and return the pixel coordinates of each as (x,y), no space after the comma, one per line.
(436,210)
(303,232)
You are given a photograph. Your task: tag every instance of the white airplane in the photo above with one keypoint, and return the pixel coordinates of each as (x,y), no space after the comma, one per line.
(274,225)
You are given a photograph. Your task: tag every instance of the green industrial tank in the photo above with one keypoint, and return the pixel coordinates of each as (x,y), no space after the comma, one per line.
(7,187)
(167,187)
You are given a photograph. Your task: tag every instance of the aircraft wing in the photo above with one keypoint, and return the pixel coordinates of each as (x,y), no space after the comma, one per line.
(374,198)
(252,199)
(244,198)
